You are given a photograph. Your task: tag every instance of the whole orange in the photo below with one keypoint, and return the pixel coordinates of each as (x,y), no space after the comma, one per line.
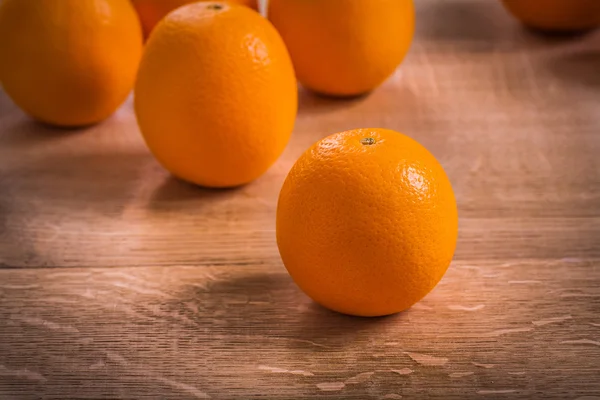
(216,95)
(556,15)
(367,222)
(344,47)
(69,62)
(152,11)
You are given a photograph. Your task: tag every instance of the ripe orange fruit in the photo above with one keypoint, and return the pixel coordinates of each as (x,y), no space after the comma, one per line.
(344,47)
(152,11)
(367,222)
(69,62)
(556,15)
(216,95)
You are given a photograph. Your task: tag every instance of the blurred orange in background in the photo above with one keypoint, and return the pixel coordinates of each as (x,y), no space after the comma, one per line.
(344,47)
(152,11)
(69,62)
(556,15)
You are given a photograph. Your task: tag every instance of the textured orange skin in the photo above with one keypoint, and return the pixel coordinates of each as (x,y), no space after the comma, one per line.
(216,96)
(152,11)
(556,15)
(69,62)
(367,230)
(344,47)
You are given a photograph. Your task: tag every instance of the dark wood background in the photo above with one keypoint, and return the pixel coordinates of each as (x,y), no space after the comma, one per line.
(117,281)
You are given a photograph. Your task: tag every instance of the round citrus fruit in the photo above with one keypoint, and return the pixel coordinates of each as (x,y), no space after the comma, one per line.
(152,11)
(216,95)
(344,47)
(367,222)
(556,15)
(69,62)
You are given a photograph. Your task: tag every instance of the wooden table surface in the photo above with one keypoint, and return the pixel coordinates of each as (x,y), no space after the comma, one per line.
(117,281)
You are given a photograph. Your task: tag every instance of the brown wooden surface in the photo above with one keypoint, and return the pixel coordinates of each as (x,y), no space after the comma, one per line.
(117,281)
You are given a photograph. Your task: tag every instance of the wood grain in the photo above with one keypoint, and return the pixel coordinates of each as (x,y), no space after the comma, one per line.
(118,281)
(529,328)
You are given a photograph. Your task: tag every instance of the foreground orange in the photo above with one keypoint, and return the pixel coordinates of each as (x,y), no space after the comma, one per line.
(367,222)
(69,62)
(216,95)
(152,11)
(556,15)
(344,47)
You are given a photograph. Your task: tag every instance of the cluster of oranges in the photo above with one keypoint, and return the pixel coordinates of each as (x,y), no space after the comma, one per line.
(366,221)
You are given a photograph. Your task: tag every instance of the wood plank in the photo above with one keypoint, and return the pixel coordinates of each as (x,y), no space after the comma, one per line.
(525,328)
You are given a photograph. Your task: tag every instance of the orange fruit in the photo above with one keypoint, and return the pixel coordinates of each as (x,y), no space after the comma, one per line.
(69,62)
(216,95)
(367,222)
(152,11)
(344,47)
(556,15)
